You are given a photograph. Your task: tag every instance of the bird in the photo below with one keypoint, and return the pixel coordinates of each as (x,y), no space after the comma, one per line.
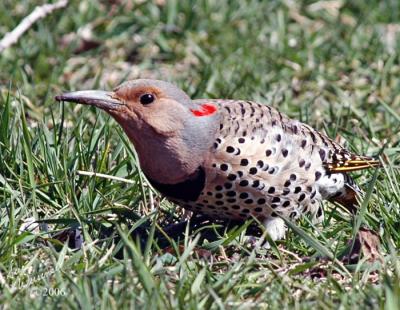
(230,159)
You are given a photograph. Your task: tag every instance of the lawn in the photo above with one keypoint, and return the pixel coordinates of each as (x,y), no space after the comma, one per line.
(332,64)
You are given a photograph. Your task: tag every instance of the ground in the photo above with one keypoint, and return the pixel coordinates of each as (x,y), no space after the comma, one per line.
(332,64)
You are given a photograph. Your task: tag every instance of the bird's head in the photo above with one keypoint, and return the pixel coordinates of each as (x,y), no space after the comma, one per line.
(161,120)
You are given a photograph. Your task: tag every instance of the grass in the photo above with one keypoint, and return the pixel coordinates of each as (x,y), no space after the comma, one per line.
(332,64)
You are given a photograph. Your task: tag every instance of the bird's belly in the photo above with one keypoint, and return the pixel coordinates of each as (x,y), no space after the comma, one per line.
(245,198)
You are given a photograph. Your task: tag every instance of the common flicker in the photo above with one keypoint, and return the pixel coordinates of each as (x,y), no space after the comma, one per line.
(229,159)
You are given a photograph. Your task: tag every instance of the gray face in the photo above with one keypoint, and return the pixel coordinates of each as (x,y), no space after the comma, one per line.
(171,133)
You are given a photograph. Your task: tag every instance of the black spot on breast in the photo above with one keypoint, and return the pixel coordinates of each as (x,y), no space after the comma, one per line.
(248,201)
(253,170)
(261,201)
(231,177)
(236,207)
(228,185)
(241,140)
(258,209)
(271,190)
(186,190)
(285,152)
(317,175)
(297,189)
(244,183)
(302,197)
(224,167)
(276,199)
(243,195)
(218,196)
(244,162)
(301,162)
(268,153)
(231,194)
(278,137)
(230,149)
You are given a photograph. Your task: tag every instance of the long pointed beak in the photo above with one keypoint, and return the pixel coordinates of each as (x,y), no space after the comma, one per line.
(98,98)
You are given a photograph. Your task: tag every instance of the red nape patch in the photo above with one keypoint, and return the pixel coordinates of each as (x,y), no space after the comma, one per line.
(205,109)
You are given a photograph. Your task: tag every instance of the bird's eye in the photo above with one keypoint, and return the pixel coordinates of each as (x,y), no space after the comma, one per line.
(146,99)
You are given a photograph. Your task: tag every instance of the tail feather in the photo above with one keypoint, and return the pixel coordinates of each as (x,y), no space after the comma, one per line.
(341,163)
(352,164)
(348,198)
